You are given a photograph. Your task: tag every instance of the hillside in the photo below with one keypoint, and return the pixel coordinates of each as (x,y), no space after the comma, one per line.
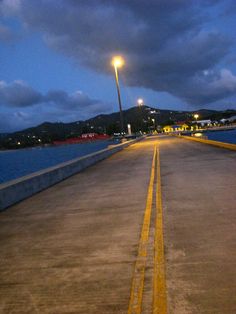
(144,118)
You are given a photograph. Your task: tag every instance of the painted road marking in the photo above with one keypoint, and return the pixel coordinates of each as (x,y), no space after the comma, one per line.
(159,282)
(136,295)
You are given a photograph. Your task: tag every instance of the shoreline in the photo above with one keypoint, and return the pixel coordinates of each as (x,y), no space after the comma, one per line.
(206,134)
(52,145)
(215,129)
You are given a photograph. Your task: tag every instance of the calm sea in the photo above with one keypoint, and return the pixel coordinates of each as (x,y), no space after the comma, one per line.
(228,136)
(17,163)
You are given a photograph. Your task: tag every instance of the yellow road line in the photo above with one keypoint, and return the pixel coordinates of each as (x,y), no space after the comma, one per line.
(136,295)
(159,282)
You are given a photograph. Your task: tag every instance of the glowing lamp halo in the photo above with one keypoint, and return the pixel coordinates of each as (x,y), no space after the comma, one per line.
(117,61)
(140,101)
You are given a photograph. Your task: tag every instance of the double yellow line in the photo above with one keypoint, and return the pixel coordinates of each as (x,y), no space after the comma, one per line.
(159,287)
(159,282)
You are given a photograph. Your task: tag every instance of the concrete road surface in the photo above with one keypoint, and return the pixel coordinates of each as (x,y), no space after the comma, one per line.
(199,200)
(92,243)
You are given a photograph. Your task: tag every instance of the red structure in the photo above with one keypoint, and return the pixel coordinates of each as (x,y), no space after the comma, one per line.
(87,137)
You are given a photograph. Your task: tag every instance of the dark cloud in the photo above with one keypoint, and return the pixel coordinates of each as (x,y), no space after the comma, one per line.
(167,44)
(6,34)
(18,94)
(72,101)
(24,107)
(209,86)
(230,9)
(5,124)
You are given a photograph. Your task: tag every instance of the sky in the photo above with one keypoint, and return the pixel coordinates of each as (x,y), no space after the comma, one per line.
(55,57)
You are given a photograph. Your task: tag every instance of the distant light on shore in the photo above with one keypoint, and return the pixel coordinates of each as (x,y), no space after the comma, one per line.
(198,134)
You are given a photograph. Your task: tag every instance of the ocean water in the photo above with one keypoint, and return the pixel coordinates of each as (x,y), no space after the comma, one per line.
(228,136)
(17,163)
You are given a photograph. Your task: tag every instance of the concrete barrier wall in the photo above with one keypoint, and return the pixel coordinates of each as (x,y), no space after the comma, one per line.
(19,189)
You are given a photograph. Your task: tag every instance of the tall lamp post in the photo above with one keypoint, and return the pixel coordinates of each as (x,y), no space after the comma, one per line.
(196,116)
(118,62)
(154,125)
(140,104)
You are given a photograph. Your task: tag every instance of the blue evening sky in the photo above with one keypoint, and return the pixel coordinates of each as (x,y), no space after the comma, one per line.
(190,68)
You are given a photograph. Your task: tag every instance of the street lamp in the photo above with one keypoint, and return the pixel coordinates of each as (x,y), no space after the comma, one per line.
(140,102)
(153,120)
(118,62)
(196,116)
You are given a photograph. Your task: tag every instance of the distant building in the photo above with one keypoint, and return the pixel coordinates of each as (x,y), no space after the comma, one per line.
(167,128)
(232,119)
(88,135)
(203,122)
(175,128)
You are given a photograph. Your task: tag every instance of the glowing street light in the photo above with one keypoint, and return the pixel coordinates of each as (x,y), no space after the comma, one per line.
(118,62)
(140,102)
(196,116)
(154,124)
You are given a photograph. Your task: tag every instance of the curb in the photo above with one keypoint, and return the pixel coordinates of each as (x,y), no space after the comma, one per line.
(210,142)
(19,189)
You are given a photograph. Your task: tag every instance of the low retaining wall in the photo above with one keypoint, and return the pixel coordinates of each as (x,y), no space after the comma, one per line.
(19,189)
(210,142)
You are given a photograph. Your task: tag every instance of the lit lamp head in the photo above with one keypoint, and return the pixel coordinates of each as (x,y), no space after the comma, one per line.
(140,101)
(117,62)
(196,116)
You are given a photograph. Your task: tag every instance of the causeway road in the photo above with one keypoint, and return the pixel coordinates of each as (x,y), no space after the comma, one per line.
(152,229)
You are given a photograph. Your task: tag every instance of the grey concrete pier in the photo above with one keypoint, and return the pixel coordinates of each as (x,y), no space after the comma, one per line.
(199,200)
(72,248)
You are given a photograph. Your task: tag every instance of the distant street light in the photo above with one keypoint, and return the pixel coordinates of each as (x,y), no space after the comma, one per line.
(118,62)
(154,124)
(140,102)
(196,116)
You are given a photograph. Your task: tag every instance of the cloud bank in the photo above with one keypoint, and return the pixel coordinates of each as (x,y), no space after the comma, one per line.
(167,44)
(25,107)
(20,94)
(176,46)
